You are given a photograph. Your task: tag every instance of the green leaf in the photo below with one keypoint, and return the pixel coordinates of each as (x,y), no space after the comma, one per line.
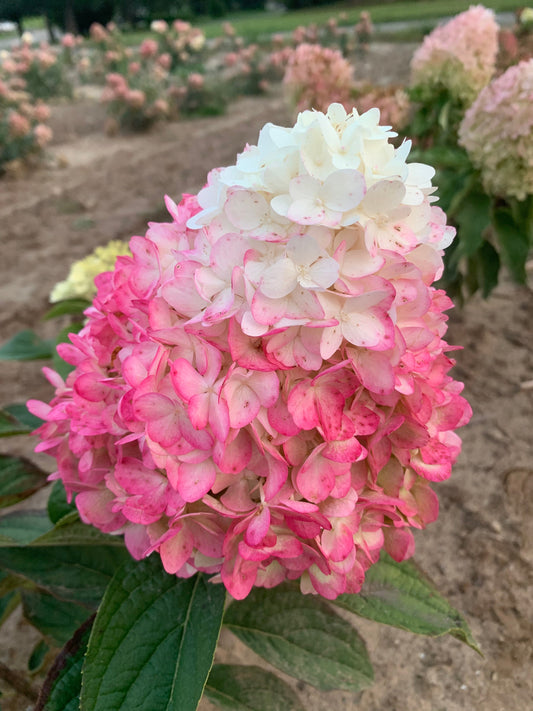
(20,411)
(75,573)
(19,478)
(153,641)
(34,528)
(444,116)
(513,240)
(62,686)
(442,157)
(69,530)
(37,657)
(302,636)
(398,594)
(487,263)
(22,527)
(10,426)
(234,687)
(68,307)
(26,345)
(472,218)
(9,583)
(57,505)
(54,618)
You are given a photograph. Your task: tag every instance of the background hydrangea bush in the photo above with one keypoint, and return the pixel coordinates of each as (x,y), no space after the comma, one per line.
(459,56)
(461,101)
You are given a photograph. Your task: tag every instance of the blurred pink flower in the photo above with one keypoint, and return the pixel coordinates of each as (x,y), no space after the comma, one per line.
(149,48)
(19,126)
(459,55)
(316,76)
(68,40)
(97,32)
(136,98)
(43,135)
(165,60)
(195,80)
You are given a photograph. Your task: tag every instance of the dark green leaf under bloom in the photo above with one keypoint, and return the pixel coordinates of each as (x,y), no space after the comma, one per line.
(153,641)
(302,636)
(234,687)
(398,594)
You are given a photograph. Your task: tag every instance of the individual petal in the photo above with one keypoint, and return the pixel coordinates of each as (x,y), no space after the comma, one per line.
(383,197)
(195,480)
(176,550)
(186,380)
(258,527)
(279,280)
(245,208)
(343,190)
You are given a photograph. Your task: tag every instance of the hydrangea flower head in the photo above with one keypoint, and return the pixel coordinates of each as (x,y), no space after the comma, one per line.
(497,133)
(316,76)
(80,281)
(459,55)
(261,391)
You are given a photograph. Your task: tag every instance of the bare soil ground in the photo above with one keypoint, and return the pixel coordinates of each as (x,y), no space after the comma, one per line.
(479,552)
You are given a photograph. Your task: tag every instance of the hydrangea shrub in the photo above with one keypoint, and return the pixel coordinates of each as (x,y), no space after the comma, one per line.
(262,391)
(459,56)
(24,131)
(496,132)
(39,68)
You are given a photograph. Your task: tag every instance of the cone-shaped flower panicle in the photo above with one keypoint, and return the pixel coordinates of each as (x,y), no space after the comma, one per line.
(497,133)
(261,390)
(459,56)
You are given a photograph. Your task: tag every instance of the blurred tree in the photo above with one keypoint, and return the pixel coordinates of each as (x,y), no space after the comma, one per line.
(77,16)
(298,4)
(16,10)
(70,15)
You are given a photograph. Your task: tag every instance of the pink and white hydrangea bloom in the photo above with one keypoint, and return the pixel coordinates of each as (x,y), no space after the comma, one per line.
(459,55)
(497,133)
(261,391)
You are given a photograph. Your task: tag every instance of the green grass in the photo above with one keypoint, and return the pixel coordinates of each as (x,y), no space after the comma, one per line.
(254,24)
(34,23)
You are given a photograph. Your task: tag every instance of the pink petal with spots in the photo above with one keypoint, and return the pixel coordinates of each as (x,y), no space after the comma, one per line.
(374,369)
(243,403)
(195,480)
